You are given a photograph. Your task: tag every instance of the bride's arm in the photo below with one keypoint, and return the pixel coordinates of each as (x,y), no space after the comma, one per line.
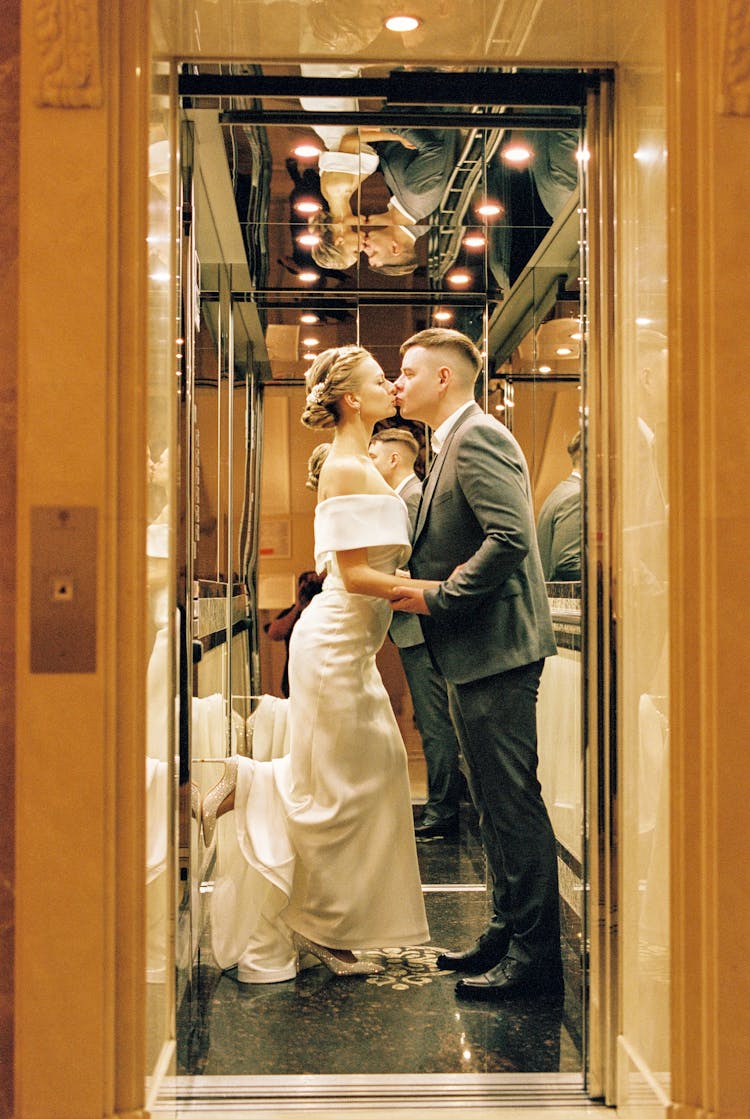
(360,578)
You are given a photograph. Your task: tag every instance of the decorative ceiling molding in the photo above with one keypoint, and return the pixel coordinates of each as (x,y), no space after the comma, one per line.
(735,78)
(67,32)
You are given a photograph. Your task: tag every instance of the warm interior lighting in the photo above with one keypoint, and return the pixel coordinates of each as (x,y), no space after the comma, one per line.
(310,342)
(563,351)
(577,336)
(402,23)
(443,316)
(307,206)
(489,209)
(307,151)
(309,317)
(459,278)
(307,277)
(545,368)
(517,154)
(309,357)
(308,239)
(583,155)
(474,241)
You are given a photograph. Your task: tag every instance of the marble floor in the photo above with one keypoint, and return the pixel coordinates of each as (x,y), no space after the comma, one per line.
(406,1022)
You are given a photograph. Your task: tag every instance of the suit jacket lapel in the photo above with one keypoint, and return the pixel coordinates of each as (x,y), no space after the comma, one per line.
(431,480)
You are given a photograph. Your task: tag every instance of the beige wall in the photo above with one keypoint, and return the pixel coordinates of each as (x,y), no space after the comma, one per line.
(709,121)
(79,963)
(9,138)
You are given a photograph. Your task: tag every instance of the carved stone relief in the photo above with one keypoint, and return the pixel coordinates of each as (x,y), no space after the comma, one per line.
(735,83)
(67,32)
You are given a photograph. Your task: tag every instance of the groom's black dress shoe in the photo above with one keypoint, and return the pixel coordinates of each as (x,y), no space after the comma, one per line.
(513,979)
(486,953)
(445,829)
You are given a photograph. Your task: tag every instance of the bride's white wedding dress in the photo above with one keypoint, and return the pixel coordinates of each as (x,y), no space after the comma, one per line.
(321,841)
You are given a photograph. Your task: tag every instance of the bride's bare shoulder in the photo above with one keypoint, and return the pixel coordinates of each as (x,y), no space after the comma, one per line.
(342,475)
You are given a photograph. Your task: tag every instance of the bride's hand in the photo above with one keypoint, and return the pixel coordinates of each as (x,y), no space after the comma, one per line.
(409,599)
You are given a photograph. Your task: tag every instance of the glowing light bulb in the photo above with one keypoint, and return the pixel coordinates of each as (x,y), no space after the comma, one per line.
(545,368)
(474,241)
(402,23)
(307,206)
(310,342)
(517,154)
(489,209)
(308,277)
(443,316)
(459,278)
(309,317)
(307,151)
(309,239)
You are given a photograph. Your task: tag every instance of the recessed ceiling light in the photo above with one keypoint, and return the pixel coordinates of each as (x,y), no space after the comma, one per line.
(310,342)
(516,154)
(308,239)
(563,351)
(309,317)
(489,209)
(443,316)
(308,277)
(459,277)
(474,241)
(402,23)
(307,151)
(545,368)
(307,206)
(309,357)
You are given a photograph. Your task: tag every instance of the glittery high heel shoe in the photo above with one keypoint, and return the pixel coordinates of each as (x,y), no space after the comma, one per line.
(216,796)
(331,961)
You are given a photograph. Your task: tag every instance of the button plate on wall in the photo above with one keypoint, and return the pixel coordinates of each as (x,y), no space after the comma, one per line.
(63,588)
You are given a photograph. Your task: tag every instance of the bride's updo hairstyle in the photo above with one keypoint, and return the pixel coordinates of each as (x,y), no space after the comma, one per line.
(315,465)
(333,373)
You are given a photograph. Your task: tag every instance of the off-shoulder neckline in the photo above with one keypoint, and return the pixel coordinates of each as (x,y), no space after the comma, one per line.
(356,497)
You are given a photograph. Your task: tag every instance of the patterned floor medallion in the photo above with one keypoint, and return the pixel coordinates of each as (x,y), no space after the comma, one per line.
(405,967)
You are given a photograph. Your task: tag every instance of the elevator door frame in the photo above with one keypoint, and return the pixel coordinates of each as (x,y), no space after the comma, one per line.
(599,744)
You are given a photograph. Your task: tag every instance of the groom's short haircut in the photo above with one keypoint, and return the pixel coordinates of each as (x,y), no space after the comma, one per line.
(400,435)
(438,337)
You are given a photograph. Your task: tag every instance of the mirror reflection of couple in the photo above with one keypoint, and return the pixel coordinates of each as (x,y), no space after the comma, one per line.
(416,164)
(318,859)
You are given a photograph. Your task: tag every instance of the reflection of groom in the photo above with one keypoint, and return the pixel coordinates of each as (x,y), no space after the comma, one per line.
(488,628)
(394,451)
(417,177)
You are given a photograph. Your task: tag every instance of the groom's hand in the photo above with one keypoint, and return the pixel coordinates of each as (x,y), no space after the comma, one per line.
(410,600)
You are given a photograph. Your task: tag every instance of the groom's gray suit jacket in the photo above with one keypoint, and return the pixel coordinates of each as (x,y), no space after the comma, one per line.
(476,510)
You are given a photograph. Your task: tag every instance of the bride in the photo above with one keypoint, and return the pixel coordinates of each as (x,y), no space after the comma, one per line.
(318,858)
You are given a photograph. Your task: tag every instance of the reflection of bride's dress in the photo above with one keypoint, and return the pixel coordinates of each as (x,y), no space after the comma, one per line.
(325,834)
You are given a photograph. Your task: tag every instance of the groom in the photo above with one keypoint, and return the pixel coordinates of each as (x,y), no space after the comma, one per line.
(488,629)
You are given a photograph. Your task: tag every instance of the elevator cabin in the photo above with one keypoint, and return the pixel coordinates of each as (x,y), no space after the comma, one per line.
(509,250)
